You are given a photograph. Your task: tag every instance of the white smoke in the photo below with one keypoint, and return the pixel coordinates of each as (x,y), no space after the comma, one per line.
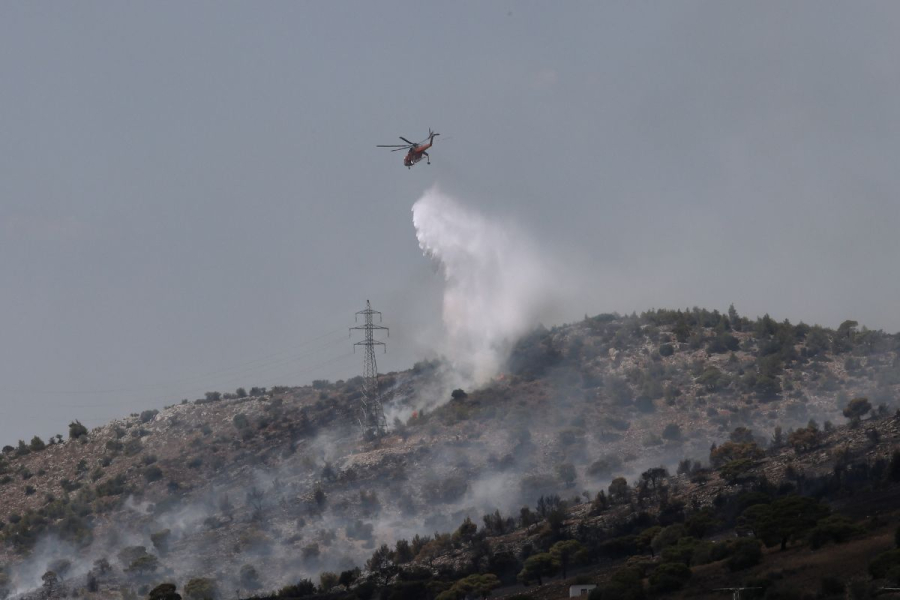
(497,285)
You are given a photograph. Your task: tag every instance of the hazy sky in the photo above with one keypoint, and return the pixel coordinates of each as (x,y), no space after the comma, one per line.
(191,197)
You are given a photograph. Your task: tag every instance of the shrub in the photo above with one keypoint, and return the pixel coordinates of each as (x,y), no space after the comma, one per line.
(618,490)
(448,489)
(164,591)
(617,424)
(160,540)
(249,577)
(730,451)
(745,553)
(133,446)
(37,444)
(605,466)
(148,415)
(644,404)
(471,587)
(152,473)
(672,432)
(201,588)
(805,439)
(147,563)
(857,408)
(625,584)
(835,528)
(666,350)
(537,567)
(112,487)
(893,471)
(301,589)
(669,577)
(736,470)
(832,586)
(76,430)
(884,563)
(567,474)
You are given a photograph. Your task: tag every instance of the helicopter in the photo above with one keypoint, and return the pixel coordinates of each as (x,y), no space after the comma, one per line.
(416,151)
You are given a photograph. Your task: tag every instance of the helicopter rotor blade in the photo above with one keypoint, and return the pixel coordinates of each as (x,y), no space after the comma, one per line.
(407,141)
(392,146)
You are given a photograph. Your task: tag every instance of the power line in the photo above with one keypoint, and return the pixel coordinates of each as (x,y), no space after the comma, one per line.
(372,421)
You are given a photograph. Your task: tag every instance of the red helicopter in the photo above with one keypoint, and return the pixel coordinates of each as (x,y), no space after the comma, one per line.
(416,151)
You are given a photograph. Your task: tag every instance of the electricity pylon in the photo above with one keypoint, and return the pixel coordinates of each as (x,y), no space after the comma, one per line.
(371,421)
(736,591)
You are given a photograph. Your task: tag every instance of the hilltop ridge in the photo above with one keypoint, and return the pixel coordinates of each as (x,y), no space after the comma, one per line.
(257,490)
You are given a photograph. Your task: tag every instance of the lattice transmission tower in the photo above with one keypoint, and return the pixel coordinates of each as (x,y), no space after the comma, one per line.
(371,419)
(736,591)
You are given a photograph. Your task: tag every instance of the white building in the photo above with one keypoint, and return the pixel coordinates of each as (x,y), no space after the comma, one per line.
(578,591)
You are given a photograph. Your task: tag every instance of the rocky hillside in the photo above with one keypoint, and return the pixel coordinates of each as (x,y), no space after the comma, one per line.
(256,491)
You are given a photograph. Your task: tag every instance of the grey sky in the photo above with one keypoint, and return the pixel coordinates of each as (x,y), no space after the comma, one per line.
(189,192)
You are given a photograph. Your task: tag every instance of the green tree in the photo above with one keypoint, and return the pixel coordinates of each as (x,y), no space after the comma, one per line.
(745,553)
(476,585)
(201,588)
(730,451)
(153,473)
(668,536)
(538,566)
(328,580)
(785,519)
(672,432)
(164,591)
(51,583)
(884,563)
(856,409)
(644,539)
(625,584)
(144,565)
(466,531)
(301,589)
(805,438)
(735,471)
(567,474)
(76,430)
(669,577)
(565,552)
(682,552)
(834,528)
(618,490)
(37,444)
(160,541)
(381,565)
(249,577)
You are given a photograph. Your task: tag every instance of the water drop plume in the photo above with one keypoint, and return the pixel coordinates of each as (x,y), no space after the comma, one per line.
(496,283)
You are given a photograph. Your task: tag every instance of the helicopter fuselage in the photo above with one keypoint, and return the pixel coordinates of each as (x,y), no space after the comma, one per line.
(415,154)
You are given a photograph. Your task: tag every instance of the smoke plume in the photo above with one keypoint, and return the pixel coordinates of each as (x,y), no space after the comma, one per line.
(497,285)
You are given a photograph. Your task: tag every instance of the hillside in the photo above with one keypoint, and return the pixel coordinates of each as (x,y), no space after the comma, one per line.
(256,491)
